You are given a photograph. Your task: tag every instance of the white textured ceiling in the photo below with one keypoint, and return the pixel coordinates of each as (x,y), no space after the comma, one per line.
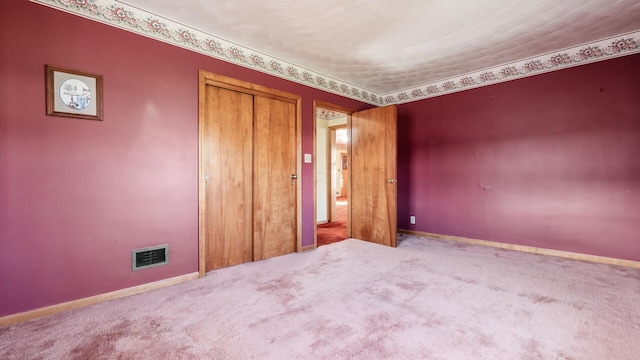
(385,47)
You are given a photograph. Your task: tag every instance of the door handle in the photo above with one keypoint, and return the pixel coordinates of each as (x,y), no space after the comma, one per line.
(293,178)
(392,181)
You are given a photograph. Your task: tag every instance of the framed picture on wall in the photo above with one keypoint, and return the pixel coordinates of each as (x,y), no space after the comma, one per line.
(74,94)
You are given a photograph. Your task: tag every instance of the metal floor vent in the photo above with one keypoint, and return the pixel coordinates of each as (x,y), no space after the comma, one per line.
(150,257)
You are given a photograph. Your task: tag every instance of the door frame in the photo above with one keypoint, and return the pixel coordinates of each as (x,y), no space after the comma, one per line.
(331,134)
(344,158)
(331,107)
(205,79)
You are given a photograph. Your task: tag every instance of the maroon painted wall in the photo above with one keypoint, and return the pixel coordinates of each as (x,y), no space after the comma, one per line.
(75,195)
(550,161)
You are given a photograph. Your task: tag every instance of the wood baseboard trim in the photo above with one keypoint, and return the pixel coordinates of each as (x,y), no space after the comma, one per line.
(530,249)
(75,304)
(307,248)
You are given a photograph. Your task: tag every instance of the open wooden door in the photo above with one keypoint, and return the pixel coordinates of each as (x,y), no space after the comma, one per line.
(373,168)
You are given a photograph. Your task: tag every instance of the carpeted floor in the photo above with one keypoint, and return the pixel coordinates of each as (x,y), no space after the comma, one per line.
(336,230)
(427,299)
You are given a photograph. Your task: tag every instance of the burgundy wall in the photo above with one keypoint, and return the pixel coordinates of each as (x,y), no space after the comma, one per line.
(75,195)
(551,161)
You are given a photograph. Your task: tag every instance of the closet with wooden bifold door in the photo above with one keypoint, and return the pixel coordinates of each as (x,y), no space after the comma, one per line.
(249,165)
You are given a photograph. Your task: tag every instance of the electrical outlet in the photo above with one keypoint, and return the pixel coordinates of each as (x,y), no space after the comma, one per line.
(412,220)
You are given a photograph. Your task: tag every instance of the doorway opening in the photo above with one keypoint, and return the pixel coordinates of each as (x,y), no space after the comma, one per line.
(371,193)
(332,174)
(334,226)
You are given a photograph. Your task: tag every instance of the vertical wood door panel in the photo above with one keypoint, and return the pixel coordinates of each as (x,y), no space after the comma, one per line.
(228,134)
(373,171)
(333,173)
(274,196)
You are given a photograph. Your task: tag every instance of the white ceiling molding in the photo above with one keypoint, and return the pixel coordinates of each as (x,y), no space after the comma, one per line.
(132,19)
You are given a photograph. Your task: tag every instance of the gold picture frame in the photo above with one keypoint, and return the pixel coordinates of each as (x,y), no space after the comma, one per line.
(73,94)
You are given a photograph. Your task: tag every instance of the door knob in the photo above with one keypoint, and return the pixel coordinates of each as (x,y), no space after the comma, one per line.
(293,178)
(391,181)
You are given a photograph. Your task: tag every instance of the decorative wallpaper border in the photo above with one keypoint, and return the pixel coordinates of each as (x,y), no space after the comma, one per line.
(329,114)
(132,19)
(605,49)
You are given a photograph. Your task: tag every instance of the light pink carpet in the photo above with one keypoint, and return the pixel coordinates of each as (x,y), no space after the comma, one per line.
(428,299)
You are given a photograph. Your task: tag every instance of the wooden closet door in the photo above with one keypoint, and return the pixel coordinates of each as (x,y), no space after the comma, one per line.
(274,194)
(228,151)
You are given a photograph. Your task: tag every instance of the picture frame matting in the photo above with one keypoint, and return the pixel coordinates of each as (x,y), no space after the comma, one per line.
(74,94)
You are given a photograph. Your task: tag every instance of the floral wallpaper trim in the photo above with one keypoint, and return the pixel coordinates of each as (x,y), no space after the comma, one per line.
(609,48)
(138,21)
(328,114)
